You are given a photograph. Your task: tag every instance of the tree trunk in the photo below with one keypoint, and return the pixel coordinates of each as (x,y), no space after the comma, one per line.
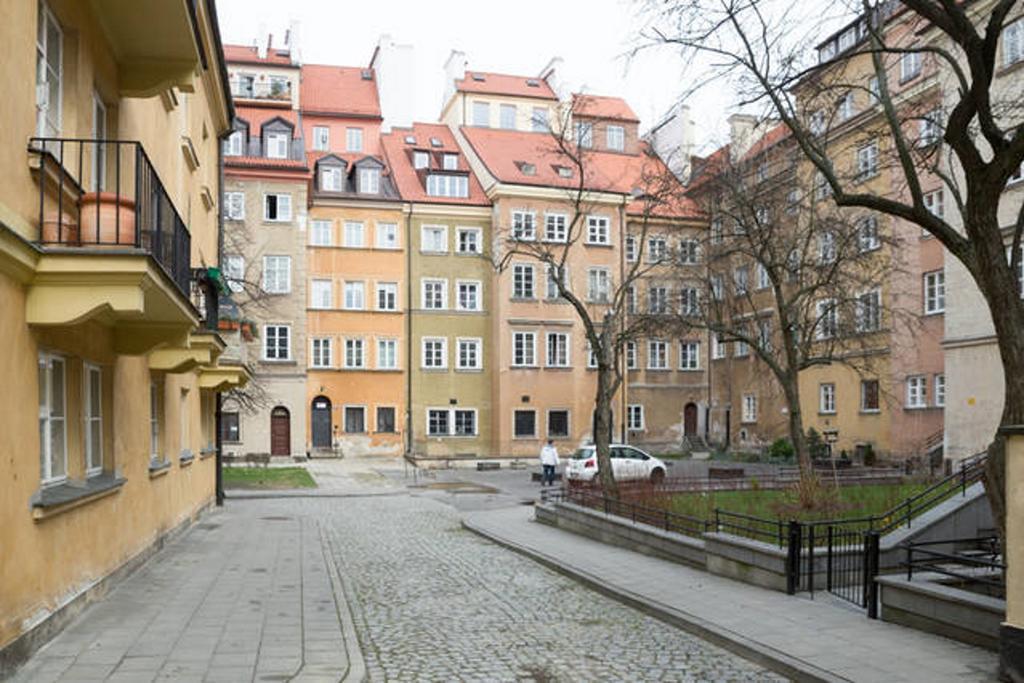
(796,430)
(602,429)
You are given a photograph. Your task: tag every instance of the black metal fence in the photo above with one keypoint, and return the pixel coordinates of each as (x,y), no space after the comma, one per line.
(105,194)
(968,562)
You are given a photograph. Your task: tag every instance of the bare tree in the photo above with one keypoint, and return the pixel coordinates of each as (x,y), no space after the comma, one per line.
(605,306)
(759,47)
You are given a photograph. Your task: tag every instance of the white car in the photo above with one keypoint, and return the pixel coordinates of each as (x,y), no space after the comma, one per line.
(628,464)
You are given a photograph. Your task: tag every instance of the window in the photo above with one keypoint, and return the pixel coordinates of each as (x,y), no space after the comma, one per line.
(330,179)
(717,232)
(437,422)
(322,294)
(764,335)
(387,354)
(277,274)
(464,420)
(1013,43)
(869,311)
(615,138)
(741,280)
(321,233)
(584,134)
(657,355)
(92,413)
(558,350)
(656,248)
(763,280)
(917,391)
(450,162)
(940,390)
(156,417)
(234,203)
(468,240)
(539,121)
(719,348)
(874,90)
(598,230)
(355,419)
(816,123)
(742,348)
(369,181)
(657,300)
(929,128)
(354,139)
(867,160)
(277,207)
(525,424)
(828,319)
(556,228)
(183,431)
(468,295)
(717,287)
(689,252)
(845,108)
(447,185)
(558,424)
(385,420)
(387,296)
(321,138)
(234,272)
(910,65)
(469,356)
(827,398)
(435,353)
(749,408)
(420,160)
(867,234)
(354,234)
(822,188)
(591,356)
(631,300)
(934,202)
(632,362)
(355,296)
(354,353)
(321,353)
(277,145)
(235,144)
(524,349)
(598,285)
(387,236)
(630,249)
(276,342)
(689,301)
(507,116)
(689,355)
(935,292)
(827,247)
(635,417)
(869,396)
(434,239)
(230,428)
(524,225)
(435,295)
(481,114)
(522,281)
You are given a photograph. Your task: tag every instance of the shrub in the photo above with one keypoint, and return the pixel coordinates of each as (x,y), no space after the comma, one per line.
(869,455)
(816,446)
(781,449)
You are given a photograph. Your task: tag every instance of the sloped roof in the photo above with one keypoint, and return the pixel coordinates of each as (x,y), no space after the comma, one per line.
(408,180)
(327,89)
(504,84)
(247,54)
(657,191)
(602,107)
(257,116)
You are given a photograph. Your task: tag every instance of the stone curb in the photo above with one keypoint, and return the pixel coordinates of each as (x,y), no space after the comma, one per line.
(356,672)
(758,653)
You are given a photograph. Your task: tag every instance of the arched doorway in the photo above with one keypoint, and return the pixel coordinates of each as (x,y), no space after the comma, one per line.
(690,419)
(280,431)
(321,422)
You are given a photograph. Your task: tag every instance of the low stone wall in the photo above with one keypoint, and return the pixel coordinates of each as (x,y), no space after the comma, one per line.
(928,605)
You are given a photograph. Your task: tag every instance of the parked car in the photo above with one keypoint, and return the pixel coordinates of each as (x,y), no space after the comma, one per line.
(628,464)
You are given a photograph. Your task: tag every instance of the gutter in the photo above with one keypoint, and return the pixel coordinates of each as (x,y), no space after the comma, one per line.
(408,332)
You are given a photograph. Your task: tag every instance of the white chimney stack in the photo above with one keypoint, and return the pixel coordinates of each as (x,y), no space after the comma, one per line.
(393,68)
(291,42)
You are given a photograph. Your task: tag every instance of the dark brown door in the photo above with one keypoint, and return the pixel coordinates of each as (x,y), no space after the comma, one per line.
(690,419)
(280,432)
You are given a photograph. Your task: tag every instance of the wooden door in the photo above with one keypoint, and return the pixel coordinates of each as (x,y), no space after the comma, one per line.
(280,432)
(690,419)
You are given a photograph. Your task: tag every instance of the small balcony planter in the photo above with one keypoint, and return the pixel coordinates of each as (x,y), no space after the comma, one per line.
(107,219)
(65,232)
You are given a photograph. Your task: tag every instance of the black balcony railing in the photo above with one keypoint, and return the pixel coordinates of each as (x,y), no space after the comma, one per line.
(105,194)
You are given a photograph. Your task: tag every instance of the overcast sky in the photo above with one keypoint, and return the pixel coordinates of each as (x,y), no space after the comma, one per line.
(517,37)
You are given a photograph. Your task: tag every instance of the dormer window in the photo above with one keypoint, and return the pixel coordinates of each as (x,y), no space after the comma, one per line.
(584,135)
(451,162)
(410,139)
(479,78)
(331,179)
(367,74)
(277,145)
(234,144)
(420,160)
(616,138)
(526,168)
(532,83)
(443,185)
(436,142)
(564,171)
(369,181)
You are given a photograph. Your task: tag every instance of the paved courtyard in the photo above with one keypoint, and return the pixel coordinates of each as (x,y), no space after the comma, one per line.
(370,580)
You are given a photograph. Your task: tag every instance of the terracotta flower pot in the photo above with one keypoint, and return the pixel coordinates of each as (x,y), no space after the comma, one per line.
(64,233)
(116,224)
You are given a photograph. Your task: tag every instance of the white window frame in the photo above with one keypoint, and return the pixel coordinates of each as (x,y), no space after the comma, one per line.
(390,290)
(562,356)
(450,161)
(934,292)
(277,145)
(869,316)
(447,412)
(867,234)
(910,66)
(477,240)
(867,160)
(93,461)
(599,230)
(935,202)
(632,361)
(504,109)
(420,159)
(519,271)
(321,352)
(689,355)
(234,206)
(353,234)
(478,295)
(556,227)
(358,290)
(635,417)
(539,120)
(477,344)
(453,422)
(385,343)
(282,278)
(827,311)
(434,246)
(599,285)
(481,112)
(321,138)
(524,225)
(719,348)
(318,287)
(382,233)
(657,249)
(234,272)
(155,420)
(529,357)
(1013,42)
(426,342)
(321,232)
(939,390)
(631,251)
(917,392)
(615,137)
(331,179)
(278,336)
(431,283)
(827,398)
(353,139)
(748,413)
(369,181)
(657,350)
(283,209)
(353,349)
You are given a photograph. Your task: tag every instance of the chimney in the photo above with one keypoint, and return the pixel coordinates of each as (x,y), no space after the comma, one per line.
(261,47)
(394,71)
(454,69)
(291,42)
(552,74)
(741,134)
(674,140)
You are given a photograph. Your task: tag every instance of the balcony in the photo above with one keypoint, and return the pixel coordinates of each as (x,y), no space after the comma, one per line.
(272,91)
(113,246)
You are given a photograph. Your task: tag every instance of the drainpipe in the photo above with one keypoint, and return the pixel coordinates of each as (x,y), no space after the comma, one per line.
(218,400)
(624,401)
(408,331)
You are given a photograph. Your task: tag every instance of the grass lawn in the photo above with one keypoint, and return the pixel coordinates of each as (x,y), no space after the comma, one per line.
(267,478)
(847,502)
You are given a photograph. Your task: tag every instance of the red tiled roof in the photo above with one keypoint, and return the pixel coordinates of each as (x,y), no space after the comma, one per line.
(505,84)
(329,89)
(257,116)
(602,107)
(769,139)
(661,194)
(247,54)
(408,180)
(264,162)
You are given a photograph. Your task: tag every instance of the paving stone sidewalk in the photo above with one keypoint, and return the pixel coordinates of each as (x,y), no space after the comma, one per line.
(822,638)
(247,594)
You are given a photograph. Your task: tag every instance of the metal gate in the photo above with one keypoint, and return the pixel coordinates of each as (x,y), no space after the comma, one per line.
(839,556)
